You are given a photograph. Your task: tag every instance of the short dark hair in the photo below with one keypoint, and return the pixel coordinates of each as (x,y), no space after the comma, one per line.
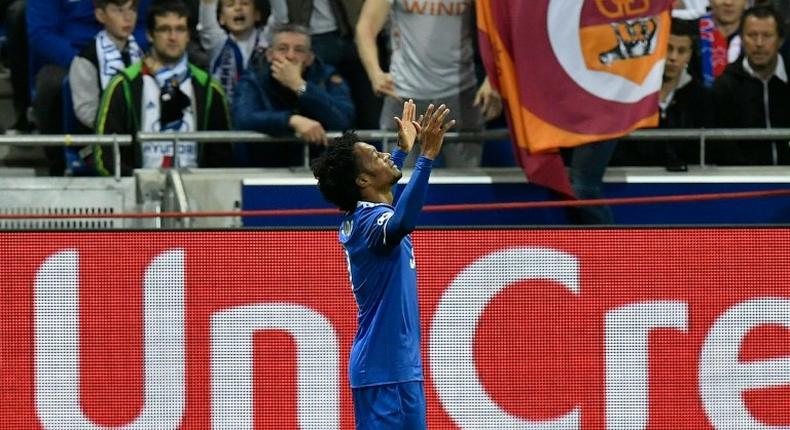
(164,7)
(765,11)
(336,170)
(682,27)
(101,4)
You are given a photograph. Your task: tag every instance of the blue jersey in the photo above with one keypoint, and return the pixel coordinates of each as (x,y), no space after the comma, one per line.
(383,273)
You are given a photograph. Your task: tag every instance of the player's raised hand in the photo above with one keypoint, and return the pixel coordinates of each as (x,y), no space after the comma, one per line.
(408,128)
(435,124)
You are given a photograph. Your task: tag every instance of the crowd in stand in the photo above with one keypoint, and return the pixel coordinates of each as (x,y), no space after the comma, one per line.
(726,68)
(281,67)
(306,67)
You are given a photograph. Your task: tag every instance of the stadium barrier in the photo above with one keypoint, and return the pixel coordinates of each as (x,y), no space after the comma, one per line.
(387,137)
(521,329)
(191,190)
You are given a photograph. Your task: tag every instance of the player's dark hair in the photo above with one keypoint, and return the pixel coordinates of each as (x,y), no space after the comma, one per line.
(336,170)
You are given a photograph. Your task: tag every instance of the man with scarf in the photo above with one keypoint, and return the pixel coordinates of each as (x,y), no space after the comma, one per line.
(164,93)
(290,92)
(56,32)
(112,50)
(229,32)
(720,39)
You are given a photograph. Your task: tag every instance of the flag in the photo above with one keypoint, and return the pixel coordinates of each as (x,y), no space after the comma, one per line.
(573,72)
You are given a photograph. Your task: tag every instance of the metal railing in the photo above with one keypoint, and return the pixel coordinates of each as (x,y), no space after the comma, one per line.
(705,134)
(174,194)
(254,137)
(116,141)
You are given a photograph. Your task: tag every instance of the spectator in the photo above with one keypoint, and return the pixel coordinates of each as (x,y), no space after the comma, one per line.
(432,62)
(753,92)
(57,30)
(164,93)
(783,7)
(228,31)
(331,24)
(586,168)
(112,50)
(689,9)
(291,92)
(683,103)
(720,40)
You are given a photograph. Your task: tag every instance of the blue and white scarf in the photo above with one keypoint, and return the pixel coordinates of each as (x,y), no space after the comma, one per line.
(110,58)
(158,154)
(178,72)
(230,61)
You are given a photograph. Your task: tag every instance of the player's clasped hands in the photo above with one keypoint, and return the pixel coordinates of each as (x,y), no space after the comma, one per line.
(433,125)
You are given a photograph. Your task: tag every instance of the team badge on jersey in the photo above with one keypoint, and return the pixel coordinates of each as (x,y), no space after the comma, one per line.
(347,227)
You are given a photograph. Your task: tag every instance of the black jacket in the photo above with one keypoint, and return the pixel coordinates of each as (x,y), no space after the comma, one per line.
(739,102)
(690,107)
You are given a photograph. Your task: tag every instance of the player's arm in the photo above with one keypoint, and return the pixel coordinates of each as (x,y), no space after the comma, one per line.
(408,207)
(408,129)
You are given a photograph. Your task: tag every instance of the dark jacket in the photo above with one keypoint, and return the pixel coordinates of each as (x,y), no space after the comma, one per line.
(262,104)
(119,112)
(739,103)
(690,107)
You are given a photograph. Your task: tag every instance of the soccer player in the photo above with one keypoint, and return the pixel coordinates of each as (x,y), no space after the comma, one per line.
(385,367)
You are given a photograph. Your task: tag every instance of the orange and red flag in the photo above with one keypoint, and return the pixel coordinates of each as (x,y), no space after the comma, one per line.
(573,72)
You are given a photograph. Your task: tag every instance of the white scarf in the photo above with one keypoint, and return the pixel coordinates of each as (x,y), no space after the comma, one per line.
(110,58)
(160,153)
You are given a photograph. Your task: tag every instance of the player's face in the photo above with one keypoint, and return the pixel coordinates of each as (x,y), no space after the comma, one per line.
(376,167)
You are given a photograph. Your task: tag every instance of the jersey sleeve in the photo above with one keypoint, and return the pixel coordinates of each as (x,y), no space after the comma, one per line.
(382,226)
(372,225)
(398,157)
(410,202)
